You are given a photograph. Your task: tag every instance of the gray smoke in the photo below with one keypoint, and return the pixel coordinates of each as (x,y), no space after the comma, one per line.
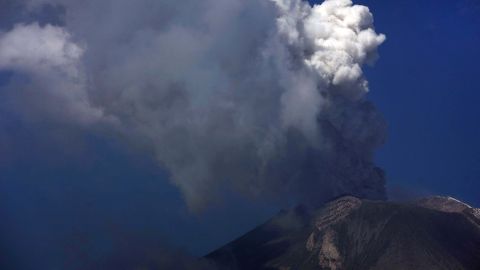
(262,97)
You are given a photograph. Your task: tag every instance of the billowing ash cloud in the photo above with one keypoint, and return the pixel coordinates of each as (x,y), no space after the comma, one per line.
(51,61)
(261,97)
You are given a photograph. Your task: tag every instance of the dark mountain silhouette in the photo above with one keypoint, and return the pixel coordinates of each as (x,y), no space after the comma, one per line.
(350,233)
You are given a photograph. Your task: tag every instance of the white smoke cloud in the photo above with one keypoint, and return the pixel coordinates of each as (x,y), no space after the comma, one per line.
(266,98)
(333,40)
(31,47)
(52,61)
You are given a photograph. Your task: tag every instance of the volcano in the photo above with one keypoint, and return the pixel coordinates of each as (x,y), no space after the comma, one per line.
(351,233)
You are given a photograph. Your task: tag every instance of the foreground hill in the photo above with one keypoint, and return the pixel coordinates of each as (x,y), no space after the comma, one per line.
(349,233)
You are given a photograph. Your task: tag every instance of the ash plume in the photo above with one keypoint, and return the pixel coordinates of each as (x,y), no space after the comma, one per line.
(262,97)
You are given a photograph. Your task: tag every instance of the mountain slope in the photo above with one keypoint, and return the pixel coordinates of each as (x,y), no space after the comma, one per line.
(349,233)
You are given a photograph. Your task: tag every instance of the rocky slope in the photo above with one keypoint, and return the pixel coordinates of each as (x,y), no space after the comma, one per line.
(349,233)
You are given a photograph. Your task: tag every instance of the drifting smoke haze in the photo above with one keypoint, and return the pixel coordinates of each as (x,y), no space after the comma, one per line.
(261,97)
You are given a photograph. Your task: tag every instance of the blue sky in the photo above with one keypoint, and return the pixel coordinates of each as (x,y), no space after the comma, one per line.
(426,86)
(426,83)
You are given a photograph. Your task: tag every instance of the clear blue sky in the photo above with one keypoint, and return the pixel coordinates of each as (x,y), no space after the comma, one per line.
(426,83)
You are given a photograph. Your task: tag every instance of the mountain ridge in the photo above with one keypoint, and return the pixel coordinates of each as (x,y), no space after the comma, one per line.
(352,233)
